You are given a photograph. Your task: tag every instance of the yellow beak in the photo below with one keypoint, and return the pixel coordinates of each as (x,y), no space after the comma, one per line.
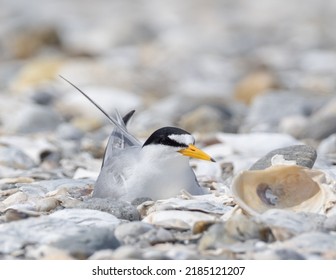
(195,152)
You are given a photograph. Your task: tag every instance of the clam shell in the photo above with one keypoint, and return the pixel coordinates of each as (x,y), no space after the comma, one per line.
(289,187)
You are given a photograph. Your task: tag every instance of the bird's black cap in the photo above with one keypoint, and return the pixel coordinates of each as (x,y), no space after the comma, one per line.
(161,136)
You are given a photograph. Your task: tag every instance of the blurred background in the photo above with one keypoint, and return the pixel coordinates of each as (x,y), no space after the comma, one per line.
(205,65)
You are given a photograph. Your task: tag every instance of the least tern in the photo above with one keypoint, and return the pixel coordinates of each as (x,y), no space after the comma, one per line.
(157,169)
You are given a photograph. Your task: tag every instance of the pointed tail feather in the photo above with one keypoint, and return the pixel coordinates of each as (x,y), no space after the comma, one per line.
(120,125)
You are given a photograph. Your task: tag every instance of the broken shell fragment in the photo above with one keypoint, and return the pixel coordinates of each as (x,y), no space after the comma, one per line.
(289,187)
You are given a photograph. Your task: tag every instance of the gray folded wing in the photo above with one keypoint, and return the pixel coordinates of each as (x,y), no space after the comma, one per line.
(120,138)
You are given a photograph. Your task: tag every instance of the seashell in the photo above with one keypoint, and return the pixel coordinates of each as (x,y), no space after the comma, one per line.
(16,198)
(16,213)
(201,226)
(47,204)
(204,206)
(288,187)
(175,219)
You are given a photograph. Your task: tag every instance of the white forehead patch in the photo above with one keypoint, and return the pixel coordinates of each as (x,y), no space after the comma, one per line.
(185,139)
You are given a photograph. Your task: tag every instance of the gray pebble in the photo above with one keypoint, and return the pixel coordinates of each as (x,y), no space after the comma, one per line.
(73,186)
(35,118)
(269,109)
(330,223)
(285,224)
(42,97)
(129,233)
(15,158)
(279,254)
(67,131)
(79,232)
(320,128)
(303,155)
(238,229)
(327,146)
(286,254)
(312,245)
(209,118)
(121,209)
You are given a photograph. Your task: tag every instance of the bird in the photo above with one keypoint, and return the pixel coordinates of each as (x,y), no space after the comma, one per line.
(157,169)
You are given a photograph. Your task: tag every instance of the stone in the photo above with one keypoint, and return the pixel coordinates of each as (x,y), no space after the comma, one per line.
(128,233)
(43,97)
(280,254)
(327,146)
(87,217)
(207,119)
(36,72)
(265,113)
(28,40)
(72,186)
(330,223)
(254,84)
(121,209)
(67,131)
(321,123)
(311,245)
(34,118)
(320,128)
(15,158)
(236,229)
(293,125)
(285,224)
(142,234)
(33,146)
(79,232)
(303,155)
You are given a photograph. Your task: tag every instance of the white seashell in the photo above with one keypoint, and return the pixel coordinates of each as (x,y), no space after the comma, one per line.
(177,219)
(288,187)
(82,173)
(46,204)
(203,206)
(16,198)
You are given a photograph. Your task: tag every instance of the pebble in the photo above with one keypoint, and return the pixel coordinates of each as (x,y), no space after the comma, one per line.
(207,119)
(141,234)
(120,209)
(320,128)
(257,83)
(312,245)
(330,223)
(281,254)
(33,118)
(327,145)
(67,131)
(15,158)
(86,232)
(303,155)
(265,116)
(285,224)
(236,229)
